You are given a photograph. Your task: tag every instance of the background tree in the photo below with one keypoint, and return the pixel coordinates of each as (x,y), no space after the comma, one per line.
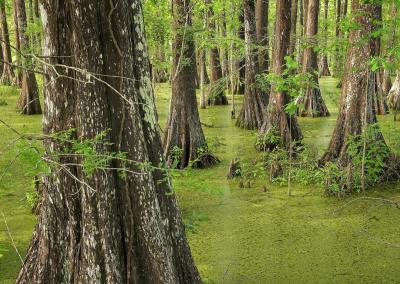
(312,100)
(217,89)
(28,102)
(324,66)
(278,122)
(240,64)
(18,77)
(184,140)
(104,227)
(7,76)
(252,114)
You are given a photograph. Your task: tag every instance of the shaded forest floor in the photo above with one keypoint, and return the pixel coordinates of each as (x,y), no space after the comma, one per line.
(245,235)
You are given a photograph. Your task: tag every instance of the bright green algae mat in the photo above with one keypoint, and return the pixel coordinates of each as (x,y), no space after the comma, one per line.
(246,235)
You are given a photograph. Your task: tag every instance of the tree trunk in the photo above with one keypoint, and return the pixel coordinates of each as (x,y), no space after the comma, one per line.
(252,114)
(324,66)
(184,140)
(261,14)
(356,110)
(302,25)
(241,63)
(380,104)
(225,53)
(277,121)
(18,78)
(104,227)
(7,77)
(203,97)
(217,85)
(314,104)
(28,101)
(293,27)
(36,8)
(337,72)
(394,96)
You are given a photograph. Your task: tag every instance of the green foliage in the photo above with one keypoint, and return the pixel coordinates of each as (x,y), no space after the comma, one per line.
(3,102)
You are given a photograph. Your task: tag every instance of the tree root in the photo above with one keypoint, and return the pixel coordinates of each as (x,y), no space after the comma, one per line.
(205,160)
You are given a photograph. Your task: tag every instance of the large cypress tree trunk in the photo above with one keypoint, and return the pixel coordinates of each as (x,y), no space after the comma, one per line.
(252,114)
(184,133)
(277,121)
(217,85)
(324,67)
(314,104)
(105,227)
(28,102)
(356,110)
(7,77)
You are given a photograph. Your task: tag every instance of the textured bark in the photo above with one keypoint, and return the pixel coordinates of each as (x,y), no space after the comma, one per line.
(240,65)
(7,77)
(356,104)
(28,101)
(314,104)
(252,113)
(277,121)
(183,127)
(324,66)
(104,228)
(217,86)
(394,96)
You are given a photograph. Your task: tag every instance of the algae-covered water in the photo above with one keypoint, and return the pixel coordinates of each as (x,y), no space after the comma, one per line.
(248,235)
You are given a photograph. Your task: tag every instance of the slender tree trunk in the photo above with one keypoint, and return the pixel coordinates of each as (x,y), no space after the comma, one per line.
(293,27)
(7,77)
(356,110)
(314,104)
(302,19)
(337,65)
(184,134)
(252,114)
(224,53)
(203,96)
(277,121)
(241,63)
(380,104)
(28,102)
(394,96)
(217,86)
(105,227)
(18,78)
(261,14)
(324,66)
(36,8)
